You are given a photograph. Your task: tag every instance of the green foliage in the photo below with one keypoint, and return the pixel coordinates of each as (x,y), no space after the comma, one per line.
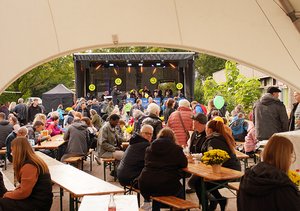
(236,90)
(198,91)
(42,78)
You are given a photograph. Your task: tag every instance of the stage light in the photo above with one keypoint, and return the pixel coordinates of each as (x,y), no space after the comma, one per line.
(172,65)
(98,66)
(140,64)
(116,72)
(154,71)
(129,64)
(152,65)
(158,64)
(111,65)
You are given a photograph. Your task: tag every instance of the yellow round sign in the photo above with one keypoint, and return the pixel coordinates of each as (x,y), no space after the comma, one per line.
(118,81)
(92,87)
(179,85)
(153,80)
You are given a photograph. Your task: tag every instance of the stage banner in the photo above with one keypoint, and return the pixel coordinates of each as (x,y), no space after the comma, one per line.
(144,102)
(132,100)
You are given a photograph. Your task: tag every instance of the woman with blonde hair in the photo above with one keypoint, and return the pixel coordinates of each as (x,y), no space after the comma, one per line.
(40,117)
(218,138)
(32,173)
(267,186)
(164,160)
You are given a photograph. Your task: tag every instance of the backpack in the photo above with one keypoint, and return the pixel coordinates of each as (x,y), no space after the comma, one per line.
(239,129)
(199,108)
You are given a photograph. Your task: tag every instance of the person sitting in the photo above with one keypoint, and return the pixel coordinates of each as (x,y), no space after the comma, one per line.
(133,159)
(32,173)
(109,141)
(267,186)
(54,127)
(22,131)
(77,138)
(218,138)
(164,160)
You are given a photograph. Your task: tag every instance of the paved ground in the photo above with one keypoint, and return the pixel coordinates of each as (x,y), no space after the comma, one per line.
(98,172)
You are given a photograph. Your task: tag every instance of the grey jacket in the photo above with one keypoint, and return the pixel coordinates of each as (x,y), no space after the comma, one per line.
(108,141)
(5,130)
(269,117)
(77,137)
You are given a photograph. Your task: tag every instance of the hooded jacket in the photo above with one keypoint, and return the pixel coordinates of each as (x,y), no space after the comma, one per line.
(133,160)
(155,122)
(264,187)
(269,117)
(5,130)
(77,137)
(161,175)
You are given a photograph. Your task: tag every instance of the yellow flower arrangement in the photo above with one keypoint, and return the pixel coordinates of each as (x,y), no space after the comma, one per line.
(294,177)
(129,129)
(215,157)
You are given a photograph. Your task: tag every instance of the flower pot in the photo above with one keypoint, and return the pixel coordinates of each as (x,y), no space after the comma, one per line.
(216,168)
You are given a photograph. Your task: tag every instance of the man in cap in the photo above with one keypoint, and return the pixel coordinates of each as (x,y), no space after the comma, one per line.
(270,115)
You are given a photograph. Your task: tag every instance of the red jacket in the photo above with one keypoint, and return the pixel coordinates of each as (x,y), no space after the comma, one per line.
(175,124)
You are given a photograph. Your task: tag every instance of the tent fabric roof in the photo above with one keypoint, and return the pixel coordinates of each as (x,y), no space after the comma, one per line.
(59,89)
(255,33)
(133,56)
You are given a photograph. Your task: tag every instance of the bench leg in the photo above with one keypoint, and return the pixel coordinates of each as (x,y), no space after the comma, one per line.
(82,164)
(104,173)
(71,205)
(91,163)
(115,170)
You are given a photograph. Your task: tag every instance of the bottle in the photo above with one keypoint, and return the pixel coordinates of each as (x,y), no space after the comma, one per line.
(112,204)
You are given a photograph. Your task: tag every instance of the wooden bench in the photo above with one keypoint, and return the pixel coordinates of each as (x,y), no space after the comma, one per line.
(111,162)
(175,202)
(3,153)
(75,160)
(91,156)
(129,189)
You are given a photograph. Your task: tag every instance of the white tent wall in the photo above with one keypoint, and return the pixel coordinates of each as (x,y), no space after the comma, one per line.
(257,33)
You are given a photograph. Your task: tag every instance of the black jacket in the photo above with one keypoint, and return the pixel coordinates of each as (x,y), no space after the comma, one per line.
(5,130)
(32,111)
(197,140)
(217,141)
(292,117)
(155,122)
(265,187)
(133,160)
(164,160)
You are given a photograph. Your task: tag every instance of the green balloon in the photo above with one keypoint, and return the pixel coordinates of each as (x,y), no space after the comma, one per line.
(219,102)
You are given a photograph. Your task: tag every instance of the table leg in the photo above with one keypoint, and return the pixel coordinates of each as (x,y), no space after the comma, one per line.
(61,193)
(203,195)
(183,184)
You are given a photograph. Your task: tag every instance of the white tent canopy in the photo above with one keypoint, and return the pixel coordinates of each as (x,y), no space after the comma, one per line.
(256,33)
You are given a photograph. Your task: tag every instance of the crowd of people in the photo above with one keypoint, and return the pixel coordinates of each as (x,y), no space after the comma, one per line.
(160,134)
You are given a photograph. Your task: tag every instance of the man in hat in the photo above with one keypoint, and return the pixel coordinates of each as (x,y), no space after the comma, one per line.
(270,115)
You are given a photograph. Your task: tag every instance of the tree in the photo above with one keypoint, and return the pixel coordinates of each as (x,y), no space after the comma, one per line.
(42,78)
(236,90)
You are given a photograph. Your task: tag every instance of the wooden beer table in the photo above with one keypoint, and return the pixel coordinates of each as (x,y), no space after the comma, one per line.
(243,157)
(207,175)
(123,202)
(78,183)
(54,144)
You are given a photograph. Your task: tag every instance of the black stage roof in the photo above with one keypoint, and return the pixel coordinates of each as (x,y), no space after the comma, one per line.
(168,56)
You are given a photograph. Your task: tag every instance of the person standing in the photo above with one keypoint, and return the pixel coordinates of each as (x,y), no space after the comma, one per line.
(294,122)
(20,111)
(270,115)
(5,129)
(33,110)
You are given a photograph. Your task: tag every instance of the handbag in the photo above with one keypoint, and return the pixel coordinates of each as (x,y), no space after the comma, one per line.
(185,130)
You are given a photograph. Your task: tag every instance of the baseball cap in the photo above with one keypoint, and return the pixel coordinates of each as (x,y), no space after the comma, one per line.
(200,117)
(273,89)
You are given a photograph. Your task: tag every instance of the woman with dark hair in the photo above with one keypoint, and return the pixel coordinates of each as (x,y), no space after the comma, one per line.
(218,138)
(35,189)
(267,186)
(164,160)
(169,110)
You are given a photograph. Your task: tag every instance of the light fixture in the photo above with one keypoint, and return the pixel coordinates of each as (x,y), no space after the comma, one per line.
(154,71)
(116,72)
(142,69)
(129,64)
(158,64)
(98,66)
(172,65)
(140,64)
(111,65)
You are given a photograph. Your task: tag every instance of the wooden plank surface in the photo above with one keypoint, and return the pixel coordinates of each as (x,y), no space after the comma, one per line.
(205,171)
(8,184)
(48,160)
(123,202)
(176,202)
(241,155)
(55,143)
